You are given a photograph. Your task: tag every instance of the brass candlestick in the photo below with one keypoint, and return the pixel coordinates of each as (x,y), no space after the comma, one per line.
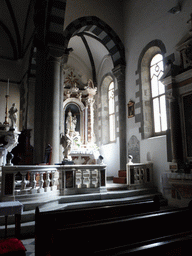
(6,110)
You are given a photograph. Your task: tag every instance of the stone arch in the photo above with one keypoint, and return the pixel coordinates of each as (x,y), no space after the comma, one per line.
(103,32)
(75,101)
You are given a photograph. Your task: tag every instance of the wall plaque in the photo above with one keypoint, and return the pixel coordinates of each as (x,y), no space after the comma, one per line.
(134,149)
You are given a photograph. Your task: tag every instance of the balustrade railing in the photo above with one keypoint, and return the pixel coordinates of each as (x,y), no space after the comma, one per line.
(82,179)
(23,181)
(27,180)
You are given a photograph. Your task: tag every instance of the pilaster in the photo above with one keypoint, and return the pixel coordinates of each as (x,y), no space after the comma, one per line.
(119,73)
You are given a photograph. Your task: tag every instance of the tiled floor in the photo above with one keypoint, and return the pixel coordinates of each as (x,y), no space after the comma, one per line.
(30,246)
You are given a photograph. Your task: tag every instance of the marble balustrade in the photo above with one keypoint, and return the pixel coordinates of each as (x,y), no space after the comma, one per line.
(77,179)
(22,182)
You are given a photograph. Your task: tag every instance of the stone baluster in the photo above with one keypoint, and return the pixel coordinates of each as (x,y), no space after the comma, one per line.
(24,182)
(98,172)
(82,179)
(47,182)
(90,178)
(33,183)
(96,177)
(41,182)
(77,178)
(53,181)
(86,178)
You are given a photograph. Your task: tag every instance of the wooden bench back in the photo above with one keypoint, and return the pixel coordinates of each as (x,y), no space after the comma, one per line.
(50,225)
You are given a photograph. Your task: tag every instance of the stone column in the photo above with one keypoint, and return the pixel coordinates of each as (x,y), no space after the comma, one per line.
(31,107)
(119,73)
(90,101)
(52,96)
(175,128)
(39,116)
(90,113)
(47,104)
(61,117)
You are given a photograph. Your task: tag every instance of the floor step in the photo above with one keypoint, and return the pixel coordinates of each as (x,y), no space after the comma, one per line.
(120,180)
(76,201)
(122,173)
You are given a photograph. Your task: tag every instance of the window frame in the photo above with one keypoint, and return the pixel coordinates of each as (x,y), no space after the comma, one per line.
(112,137)
(158,96)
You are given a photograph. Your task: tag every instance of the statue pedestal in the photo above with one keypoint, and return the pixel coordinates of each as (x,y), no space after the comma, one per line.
(67,162)
(85,156)
(8,140)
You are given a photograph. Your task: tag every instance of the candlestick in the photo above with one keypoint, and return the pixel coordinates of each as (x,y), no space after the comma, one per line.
(6,110)
(8,87)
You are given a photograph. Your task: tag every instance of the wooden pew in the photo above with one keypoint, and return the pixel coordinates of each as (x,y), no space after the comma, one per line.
(177,244)
(50,225)
(93,238)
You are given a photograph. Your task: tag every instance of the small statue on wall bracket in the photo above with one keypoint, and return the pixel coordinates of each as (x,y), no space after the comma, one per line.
(13,116)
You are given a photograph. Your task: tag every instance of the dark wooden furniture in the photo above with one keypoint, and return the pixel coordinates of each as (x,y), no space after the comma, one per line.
(55,228)
(12,208)
(84,232)
(23,152)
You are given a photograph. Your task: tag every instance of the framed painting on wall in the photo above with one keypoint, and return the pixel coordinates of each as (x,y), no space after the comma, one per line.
(131,109)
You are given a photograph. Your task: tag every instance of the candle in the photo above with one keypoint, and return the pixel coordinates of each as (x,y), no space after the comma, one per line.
(8,87)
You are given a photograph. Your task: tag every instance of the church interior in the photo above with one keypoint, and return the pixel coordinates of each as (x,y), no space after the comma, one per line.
(95,105)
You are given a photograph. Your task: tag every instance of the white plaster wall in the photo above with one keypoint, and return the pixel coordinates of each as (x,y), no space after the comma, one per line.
(110,152)
(110,11)
(146,21)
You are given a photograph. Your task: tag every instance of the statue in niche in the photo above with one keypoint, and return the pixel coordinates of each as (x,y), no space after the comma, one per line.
(13,116)
(71,122)
(66,142)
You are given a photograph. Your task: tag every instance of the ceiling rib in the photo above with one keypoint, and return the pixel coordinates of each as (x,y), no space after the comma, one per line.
(14,21)
(90,57)
(7,31)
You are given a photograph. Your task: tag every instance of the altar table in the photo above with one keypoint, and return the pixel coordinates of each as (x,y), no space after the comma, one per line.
(12,208)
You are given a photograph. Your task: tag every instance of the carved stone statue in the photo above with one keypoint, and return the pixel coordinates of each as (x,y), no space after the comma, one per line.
(71,122)
(13,116)
(66,142)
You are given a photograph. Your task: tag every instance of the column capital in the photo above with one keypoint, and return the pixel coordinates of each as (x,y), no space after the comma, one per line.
(119,70)
(55,53)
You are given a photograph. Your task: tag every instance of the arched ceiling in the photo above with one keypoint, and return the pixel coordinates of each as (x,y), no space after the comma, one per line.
(16,28)
(89,37)
(88,53)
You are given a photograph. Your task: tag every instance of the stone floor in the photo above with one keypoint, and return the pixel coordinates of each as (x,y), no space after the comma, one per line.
(30,246)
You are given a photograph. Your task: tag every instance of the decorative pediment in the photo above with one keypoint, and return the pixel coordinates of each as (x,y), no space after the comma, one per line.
(185,48)
(72,79)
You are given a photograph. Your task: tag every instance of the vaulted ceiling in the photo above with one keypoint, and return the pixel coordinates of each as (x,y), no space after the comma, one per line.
(16,28)
(17,31)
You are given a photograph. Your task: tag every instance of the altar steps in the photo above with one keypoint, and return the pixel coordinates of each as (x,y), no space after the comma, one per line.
(74,201)
(122,177)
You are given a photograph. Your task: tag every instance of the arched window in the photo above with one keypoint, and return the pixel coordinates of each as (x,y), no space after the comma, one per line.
(158,94)
(107,110)
(151,91)
(111,103)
